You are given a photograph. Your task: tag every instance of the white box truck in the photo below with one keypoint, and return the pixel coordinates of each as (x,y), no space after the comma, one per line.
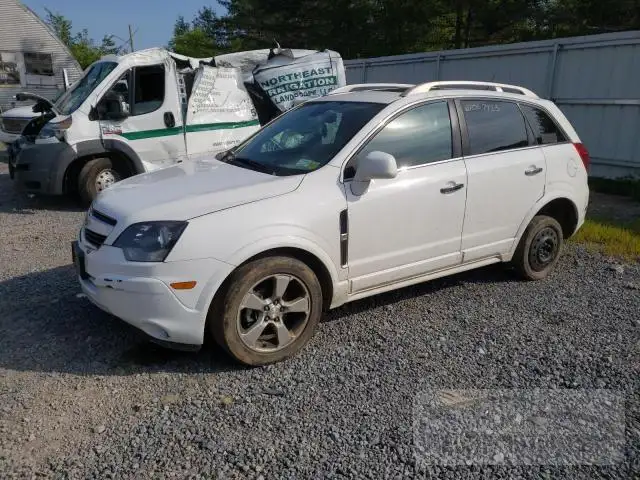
(152,108)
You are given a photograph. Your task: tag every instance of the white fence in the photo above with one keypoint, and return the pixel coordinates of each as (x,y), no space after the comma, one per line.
(595,80)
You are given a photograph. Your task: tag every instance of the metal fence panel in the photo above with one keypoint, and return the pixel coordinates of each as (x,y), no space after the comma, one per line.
(593,79)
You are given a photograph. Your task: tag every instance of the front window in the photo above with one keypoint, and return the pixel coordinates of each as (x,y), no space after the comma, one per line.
(420,136)
(71,101)
(149,89)
(304,139)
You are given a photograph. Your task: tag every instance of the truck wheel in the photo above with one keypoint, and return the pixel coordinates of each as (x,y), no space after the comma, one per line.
(96,175)
(539,248)
(268,312)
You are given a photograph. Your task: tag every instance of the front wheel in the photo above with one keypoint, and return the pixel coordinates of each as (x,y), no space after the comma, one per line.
(96,175)
(268,312)
(539,248)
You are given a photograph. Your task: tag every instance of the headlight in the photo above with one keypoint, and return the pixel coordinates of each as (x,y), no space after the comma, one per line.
(56,129)
(46,132)
(149,241)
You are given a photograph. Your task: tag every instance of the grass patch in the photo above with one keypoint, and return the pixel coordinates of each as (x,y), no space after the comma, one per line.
(620,240)
(626,187)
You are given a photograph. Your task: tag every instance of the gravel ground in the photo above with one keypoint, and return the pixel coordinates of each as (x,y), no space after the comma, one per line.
(82,395)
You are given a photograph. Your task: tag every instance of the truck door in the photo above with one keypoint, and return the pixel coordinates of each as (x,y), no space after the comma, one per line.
(152,128)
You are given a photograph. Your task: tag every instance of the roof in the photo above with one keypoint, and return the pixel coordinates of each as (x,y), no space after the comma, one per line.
(155,54)
(365,96)
(388,93)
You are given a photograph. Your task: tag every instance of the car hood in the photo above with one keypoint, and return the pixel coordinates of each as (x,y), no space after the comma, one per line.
(25,112)
(46,103)
(188,190)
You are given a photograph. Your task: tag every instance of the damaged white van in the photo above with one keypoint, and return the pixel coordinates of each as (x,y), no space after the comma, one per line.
(153,108)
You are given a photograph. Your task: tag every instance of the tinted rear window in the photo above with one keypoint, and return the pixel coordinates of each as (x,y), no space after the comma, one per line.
(544,128)
(494,126)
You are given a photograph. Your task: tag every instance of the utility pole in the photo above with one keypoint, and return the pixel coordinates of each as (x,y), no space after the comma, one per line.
(130,38)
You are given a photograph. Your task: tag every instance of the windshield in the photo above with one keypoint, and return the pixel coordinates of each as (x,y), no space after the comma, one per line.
(71,100)
(59,93)
(303,139)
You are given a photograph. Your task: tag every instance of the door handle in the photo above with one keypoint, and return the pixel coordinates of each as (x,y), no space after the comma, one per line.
(533,171)
(169,119)
(454,187)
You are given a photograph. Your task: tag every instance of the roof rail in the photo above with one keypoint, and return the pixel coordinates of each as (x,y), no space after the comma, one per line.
(362,87)
(469,85)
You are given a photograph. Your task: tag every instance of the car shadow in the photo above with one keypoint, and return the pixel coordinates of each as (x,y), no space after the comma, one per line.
(497,273)
(14,201)
(49,326)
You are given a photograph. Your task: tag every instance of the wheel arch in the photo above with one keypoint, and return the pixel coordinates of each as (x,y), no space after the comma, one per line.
(313,261)
(123,156)
(562,205)
(565,212)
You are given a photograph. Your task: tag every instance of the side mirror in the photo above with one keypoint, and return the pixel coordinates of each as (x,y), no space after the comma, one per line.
(112,107)
(65,78)
(374,165)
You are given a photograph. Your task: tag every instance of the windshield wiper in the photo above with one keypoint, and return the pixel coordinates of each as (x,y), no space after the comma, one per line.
(247,163)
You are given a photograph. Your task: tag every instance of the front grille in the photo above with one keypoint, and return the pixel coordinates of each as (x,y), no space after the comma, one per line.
(103,218)
(14,125)
(94,238)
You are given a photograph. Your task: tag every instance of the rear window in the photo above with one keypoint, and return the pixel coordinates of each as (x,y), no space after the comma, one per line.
(494,126)
(544,128)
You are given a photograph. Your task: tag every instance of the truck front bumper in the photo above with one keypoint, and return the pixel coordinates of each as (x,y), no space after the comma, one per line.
(36,167)
(7,138)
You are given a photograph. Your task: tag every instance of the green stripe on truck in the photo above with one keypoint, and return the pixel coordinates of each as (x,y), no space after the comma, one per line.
(166,132)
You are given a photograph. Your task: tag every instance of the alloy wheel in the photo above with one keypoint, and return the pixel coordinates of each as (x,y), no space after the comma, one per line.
(273,313)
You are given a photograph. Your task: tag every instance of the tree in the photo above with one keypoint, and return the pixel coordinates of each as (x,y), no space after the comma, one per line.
(82,47)
(369,28)
(60,26)
(193,41)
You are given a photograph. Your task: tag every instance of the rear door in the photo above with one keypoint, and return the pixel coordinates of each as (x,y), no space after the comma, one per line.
(506,170)
(154,128)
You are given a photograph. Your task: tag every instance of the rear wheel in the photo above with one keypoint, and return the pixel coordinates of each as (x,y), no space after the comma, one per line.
(539,248)
(268,312)
(97,175)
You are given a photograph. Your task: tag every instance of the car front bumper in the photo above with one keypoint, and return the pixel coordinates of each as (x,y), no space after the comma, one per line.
(141,295)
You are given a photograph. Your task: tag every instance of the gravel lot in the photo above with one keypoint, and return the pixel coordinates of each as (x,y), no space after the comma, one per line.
(82,395)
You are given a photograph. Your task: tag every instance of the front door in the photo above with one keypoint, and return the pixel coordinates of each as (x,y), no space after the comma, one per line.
(154,128)
(412,224)
(506,176)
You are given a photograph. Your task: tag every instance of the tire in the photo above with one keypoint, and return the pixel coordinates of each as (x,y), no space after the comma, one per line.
(95,172)
(230,320)
(539,248)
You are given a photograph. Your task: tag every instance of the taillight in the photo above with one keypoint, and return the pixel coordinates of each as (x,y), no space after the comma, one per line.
(584,155)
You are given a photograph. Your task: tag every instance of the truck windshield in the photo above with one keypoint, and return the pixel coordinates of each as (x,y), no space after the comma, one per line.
(71,100)
(303,139)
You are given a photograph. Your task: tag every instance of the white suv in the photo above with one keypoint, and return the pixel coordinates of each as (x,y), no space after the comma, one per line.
(368,189)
